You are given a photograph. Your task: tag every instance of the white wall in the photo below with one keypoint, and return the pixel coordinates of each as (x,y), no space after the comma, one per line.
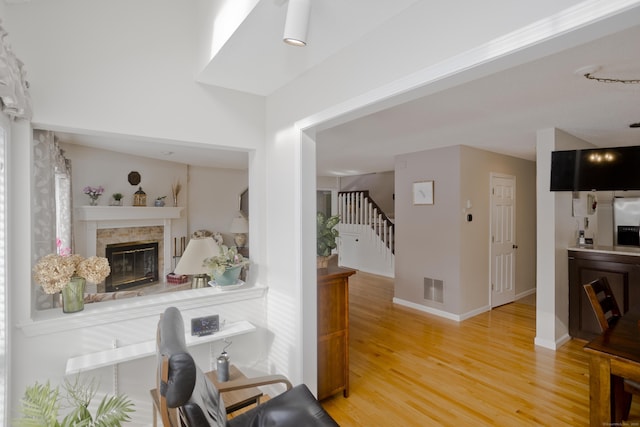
(477,167)
(109,169)
(214,197)
(380,186)
(428,237)
(556,229)
(127,68)
(436,241)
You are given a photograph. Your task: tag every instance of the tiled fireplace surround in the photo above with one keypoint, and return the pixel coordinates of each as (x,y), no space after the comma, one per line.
(110,236)
(103,225)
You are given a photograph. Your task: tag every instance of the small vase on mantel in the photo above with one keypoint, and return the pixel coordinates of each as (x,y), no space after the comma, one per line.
(73,295)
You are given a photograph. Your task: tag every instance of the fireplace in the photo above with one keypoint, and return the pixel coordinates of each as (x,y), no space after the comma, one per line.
(132,264)
(100,226)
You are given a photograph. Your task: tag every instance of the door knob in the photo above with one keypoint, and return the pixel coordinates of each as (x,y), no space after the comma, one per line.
(515,246)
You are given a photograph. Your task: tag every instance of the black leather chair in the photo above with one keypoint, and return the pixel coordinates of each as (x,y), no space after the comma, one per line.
(188,397)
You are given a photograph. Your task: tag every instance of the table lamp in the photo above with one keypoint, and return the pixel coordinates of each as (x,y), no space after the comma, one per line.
(240,228)
(198,249)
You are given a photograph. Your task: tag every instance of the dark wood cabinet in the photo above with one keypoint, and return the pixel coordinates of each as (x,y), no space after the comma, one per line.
(333,331)
(623,274)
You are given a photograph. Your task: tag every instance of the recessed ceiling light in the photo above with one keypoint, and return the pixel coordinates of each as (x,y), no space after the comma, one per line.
(166,153)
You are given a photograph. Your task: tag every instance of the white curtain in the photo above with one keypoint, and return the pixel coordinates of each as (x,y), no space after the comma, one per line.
(4,127)
(14,93)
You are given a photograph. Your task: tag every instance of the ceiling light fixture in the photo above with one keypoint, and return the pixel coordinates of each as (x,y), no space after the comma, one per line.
(611,80)
(297,23)
(588,73)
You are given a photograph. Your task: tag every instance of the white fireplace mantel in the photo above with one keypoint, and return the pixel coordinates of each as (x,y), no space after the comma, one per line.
(95,218)
(125,213)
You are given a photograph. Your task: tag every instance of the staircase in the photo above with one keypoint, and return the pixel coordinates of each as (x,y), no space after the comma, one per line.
(366,235)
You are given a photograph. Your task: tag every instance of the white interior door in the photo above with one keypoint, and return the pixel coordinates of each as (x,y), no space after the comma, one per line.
(503,239)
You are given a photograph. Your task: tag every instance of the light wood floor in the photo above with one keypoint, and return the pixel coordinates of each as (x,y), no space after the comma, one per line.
(410,368)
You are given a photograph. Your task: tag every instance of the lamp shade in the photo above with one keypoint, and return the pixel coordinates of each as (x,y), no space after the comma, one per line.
(196,252)
(239,225)
(295,27)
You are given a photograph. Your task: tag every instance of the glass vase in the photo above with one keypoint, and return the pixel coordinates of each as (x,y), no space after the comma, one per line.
(73,295)
(93,201)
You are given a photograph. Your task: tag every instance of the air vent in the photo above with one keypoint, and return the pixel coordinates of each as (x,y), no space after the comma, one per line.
(433,290)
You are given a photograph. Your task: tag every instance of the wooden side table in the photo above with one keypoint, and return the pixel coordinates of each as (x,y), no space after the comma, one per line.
(233,400)
(236,399)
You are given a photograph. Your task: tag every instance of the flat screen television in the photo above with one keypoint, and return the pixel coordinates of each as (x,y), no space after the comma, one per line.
(601,169)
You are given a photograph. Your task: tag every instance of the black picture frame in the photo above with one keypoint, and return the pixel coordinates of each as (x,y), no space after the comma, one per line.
(244,203)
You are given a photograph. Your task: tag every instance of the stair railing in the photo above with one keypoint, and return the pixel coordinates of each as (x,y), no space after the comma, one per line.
(357,208)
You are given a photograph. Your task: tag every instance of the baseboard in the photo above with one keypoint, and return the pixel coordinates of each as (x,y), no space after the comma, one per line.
(552,345)
(525,293)
(440,313)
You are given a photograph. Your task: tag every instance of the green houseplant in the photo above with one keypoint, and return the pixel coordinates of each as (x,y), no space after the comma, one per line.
(117,199)
(41,406)
(226,266)
(326,236)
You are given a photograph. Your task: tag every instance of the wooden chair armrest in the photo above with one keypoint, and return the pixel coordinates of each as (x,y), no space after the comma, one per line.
(239,384)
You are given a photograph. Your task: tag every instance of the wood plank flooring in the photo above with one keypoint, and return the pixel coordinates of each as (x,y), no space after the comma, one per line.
(410,368)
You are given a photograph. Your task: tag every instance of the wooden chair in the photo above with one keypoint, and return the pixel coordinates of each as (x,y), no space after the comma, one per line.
(606,309)
(603,302)
(187,397)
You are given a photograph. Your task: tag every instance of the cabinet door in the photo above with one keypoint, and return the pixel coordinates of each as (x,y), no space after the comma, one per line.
(332,364)
(332,306)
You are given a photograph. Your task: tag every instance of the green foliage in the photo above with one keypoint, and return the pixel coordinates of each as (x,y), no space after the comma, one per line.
(226,258)
(326,233)
(41,405)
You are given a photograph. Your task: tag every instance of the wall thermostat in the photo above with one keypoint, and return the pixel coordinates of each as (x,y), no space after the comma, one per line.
(206,325)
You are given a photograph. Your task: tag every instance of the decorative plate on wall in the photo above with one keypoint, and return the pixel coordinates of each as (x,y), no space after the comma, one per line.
(134,178)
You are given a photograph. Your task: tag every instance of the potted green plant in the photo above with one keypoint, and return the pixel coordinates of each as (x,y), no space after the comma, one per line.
(326,236)
(159,201)
(117,197)
(226,266)
(41,406)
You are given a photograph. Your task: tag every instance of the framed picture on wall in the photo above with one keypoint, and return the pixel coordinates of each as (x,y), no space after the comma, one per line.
(244,203)
(423,193)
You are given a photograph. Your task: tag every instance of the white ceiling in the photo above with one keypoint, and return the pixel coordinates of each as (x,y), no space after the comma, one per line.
(501,112)
(257,47)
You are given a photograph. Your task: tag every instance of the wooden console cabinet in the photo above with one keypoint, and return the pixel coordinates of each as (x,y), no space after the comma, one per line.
(622,270)
(333,331)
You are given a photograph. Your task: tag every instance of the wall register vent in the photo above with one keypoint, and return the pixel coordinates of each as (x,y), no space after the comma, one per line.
(433,290)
